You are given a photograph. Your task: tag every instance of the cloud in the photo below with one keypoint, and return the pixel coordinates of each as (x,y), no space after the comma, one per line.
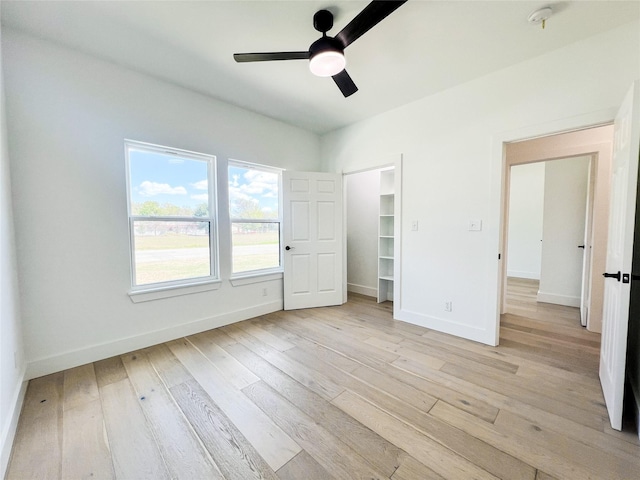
(203,196)
(149,189)
(201,185)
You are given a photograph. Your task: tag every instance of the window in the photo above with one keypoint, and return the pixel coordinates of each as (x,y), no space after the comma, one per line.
(254,209)
(171,204)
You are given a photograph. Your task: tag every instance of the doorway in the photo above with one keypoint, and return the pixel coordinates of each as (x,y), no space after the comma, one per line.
(372,226)
(594,143)
(549,237)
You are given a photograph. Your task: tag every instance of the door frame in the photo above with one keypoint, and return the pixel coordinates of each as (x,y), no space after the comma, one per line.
(392,161)
(579,144)
(499,175)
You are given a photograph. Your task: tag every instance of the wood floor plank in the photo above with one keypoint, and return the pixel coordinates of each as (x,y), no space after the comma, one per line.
(327,449)
(548,420)
(544,476)
(236,458)
(274,445)
(328,337)
(37,450)
(328,356)
(566,410)
(440,459)
(405,352)
(568,350)
(85,448)
(373,448)
(181,449)
(540,458)
(317,382)
(265,337)
(230,368)
(603,464)
(419,385)
(109,371)
(382,455)
(411,469)
(303,466)
(80,386)
(167,365)
(388,397)
(514,357)
(546,391)
(133,446)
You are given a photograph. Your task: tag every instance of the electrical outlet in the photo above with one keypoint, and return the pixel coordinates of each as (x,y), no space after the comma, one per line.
(264,292)
(448,306)
(475,225)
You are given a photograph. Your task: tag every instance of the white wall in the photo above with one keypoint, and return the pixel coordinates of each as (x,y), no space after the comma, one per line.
(363,191)
(12,362)
(565,197)
(68,115)
(526,201)
(452,164)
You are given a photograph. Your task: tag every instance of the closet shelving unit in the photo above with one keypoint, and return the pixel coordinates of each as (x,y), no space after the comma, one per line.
(386,236)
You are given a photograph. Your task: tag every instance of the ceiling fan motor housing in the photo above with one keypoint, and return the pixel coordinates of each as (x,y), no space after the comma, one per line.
(325,44)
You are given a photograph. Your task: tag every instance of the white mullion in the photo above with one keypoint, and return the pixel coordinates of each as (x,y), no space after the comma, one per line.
(254,220)
(140,218)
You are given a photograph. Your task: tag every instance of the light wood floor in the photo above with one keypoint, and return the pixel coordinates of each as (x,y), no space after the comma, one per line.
(341,392)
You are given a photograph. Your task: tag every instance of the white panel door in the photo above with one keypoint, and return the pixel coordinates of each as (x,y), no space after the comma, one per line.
(615,322)
(312,226)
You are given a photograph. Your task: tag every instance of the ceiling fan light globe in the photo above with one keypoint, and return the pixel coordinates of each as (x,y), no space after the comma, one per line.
(327,63)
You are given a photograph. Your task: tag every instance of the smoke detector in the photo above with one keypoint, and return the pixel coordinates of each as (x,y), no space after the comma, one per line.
(540,16)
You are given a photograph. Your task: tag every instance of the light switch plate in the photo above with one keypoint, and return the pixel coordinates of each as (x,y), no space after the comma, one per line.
(414,226)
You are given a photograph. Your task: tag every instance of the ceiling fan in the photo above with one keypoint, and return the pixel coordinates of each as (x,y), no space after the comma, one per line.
(326,55)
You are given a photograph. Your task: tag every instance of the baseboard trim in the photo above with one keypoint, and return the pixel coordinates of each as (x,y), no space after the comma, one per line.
(9,432)
(93,353)
(565,300)
(447,326)
(361,289)
(527,275)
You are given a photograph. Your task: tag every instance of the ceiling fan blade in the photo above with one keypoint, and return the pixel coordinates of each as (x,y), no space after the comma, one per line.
(269,56)
(368,18)
(344,83)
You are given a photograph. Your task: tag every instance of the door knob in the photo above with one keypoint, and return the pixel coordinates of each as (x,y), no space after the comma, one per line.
(288,248)
(612,275)
(581,246)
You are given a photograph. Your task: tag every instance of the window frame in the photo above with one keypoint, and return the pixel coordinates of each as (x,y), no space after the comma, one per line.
(278,219)
(212,219)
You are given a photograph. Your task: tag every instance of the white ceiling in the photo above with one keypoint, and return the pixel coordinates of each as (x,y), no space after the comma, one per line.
(422,48)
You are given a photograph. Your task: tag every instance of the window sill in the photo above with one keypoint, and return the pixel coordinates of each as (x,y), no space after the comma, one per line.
(255,278)
(138,296)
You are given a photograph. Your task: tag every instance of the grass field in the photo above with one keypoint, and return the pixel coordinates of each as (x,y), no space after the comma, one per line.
(252,251)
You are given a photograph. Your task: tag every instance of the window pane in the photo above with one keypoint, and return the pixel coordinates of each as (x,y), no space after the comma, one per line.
(167,185)
(167,251)
(255,246)
(253,193)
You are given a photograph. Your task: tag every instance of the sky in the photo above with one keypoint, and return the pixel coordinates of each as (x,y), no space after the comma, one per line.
(256,186)
(180,181)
